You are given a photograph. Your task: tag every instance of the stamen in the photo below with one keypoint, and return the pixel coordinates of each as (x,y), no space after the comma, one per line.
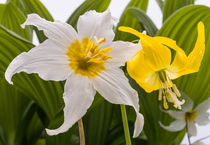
(165,104)
(169,91)
(176,90)
(160,94)
(101,40)
(105,50)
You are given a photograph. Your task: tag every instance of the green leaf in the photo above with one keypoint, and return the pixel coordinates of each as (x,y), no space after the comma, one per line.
(11,18)
(128,20)
(161,4)
(97,124)
(34,6)
(98,5)
(170,6)
(147,23)
(182,27)
(13,106)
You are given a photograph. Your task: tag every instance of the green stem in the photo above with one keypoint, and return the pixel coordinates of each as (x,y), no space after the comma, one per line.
(125,125)
(81,132)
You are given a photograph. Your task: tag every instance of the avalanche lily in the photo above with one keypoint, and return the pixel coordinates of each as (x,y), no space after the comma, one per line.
(152,68)
(189,116)
(87,59)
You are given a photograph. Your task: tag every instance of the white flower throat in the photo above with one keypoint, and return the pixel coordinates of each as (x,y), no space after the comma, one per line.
(86,58)
(169,92)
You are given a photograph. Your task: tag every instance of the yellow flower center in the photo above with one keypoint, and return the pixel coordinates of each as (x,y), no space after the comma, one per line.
(190,116)
(86,58)
(169,92)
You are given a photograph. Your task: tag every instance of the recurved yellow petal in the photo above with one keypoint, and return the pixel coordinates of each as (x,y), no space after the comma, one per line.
(196,56)
(155,54)
(180,58)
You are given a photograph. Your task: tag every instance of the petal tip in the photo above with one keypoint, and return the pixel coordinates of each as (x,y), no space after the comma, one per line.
(139,124)
(51,132)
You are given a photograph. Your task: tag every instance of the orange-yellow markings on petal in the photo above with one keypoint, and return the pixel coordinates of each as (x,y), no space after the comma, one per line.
(85,57)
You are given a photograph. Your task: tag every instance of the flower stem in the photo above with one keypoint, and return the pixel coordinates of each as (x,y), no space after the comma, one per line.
(125,125)
(188,135)
(81,132)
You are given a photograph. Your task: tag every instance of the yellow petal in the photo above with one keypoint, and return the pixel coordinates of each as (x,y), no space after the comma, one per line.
(157,55)
(196,56)
(182,64)
(142,73)
(180,58)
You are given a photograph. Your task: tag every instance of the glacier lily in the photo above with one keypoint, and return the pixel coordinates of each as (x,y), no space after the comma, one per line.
(189,116)
(152,69)
(87,59)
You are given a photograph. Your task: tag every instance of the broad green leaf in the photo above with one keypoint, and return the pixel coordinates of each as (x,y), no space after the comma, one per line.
(34,6)
(170,6)
(14,108)
(161,4)
(48,95)
(97,124)
(11,18)
(147,23)
(182,27)
(98,5)
(127,19)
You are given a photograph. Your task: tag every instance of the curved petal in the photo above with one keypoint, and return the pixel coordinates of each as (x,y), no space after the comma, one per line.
(156,55)
(78,96)
(180,58)
(175,126)
(192,129)
(114,87)
(196,56)
(176,114)
(183,65)
(122,52)
(143,73)
(93,24)
(60,32)
(48,60)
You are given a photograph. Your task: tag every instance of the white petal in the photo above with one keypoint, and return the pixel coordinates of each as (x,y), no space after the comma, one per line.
(78,96)
(122,52)
(176,114)
(175,126)
(203,118)
(203,107)
(188,105)
(48,60)
(57,31)
(96,24)
(114,87)
(192,129)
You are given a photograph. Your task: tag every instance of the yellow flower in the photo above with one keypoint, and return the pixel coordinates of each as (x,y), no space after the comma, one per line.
(152,68)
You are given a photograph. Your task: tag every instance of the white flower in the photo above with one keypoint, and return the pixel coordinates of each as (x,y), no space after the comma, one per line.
(87,59)
(189,117)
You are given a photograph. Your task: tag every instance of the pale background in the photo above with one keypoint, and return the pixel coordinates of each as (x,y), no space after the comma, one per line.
(61,10)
